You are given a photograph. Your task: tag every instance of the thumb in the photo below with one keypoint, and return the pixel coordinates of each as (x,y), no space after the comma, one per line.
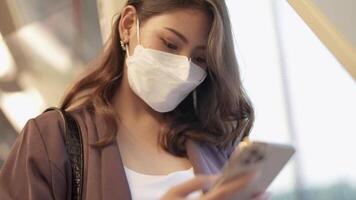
(196,183)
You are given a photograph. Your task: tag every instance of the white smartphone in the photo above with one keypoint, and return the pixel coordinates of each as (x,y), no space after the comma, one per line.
(266,158)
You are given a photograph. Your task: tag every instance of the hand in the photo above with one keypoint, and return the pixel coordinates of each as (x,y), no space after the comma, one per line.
(262,196)
(222,192)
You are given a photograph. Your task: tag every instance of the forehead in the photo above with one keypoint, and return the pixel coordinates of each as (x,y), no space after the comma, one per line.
(193,23)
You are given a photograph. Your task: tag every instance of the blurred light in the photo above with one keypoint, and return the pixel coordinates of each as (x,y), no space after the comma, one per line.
(19,107)
(7,69)
(324,99)
(45,45)
(261,77)
(4,151)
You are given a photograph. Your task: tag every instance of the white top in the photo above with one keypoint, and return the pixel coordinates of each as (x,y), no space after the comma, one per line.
(153,187)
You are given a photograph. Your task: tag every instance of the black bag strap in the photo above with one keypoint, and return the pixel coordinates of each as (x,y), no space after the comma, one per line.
(74,145)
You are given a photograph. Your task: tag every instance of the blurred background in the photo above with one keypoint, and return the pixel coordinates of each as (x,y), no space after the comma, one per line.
(302,87)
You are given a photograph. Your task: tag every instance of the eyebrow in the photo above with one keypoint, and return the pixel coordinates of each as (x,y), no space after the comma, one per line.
(182,37)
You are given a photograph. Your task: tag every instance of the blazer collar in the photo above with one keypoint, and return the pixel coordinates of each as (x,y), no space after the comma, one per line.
(114,181)
(114,184)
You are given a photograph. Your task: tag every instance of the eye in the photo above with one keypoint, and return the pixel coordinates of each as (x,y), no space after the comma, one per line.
(199,61)
(169,45)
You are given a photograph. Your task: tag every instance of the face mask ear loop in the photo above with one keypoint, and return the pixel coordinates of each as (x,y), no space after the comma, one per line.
(138,37)
(138,30)
(195,101)
(127,51)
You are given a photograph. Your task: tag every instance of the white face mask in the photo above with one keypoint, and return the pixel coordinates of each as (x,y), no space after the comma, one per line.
(161,79)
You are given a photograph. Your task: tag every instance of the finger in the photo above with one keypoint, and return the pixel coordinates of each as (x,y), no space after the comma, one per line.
(198,182)
(262,196)
(231,187)
(240,179)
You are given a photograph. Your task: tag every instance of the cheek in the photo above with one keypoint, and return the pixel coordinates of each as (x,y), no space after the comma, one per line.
(155,43)
(152,40)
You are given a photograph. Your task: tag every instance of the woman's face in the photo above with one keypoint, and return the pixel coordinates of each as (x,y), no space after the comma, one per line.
(182,32)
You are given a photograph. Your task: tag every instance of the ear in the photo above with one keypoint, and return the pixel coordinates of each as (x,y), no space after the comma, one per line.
(127,22)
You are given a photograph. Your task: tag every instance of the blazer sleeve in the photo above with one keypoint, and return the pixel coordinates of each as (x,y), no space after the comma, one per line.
(27,174)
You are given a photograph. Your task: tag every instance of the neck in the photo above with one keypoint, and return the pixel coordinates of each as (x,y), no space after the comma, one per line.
(136,118)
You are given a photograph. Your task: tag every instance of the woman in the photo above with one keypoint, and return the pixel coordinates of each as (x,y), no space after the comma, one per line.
(163,103)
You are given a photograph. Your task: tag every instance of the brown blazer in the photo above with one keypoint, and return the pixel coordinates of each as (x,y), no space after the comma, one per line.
(38,166)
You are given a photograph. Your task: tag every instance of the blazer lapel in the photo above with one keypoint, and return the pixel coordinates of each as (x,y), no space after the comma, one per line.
(114,184)
(205,160)
(197,158)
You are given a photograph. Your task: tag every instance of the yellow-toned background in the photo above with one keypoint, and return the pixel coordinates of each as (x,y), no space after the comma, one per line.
(302,93)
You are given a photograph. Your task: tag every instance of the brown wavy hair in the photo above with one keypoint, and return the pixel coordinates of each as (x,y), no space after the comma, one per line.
(223,113)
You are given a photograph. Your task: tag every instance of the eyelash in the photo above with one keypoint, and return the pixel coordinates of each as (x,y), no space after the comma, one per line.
(203,60)
(169,45)
(174,48)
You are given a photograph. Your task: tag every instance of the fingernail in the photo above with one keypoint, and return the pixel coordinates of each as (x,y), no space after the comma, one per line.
(253,175)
